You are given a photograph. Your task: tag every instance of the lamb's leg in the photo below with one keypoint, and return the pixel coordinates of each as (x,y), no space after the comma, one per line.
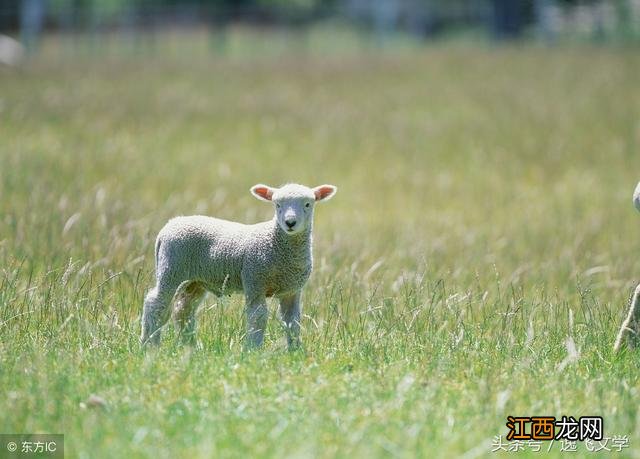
(184,311)
(290,311)
(155,312)
(630,329)
(257,314)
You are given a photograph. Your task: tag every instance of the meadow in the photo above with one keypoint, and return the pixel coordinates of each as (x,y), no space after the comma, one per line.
(475,263)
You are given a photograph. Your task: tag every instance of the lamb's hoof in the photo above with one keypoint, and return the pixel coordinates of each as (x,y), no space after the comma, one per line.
(251,346)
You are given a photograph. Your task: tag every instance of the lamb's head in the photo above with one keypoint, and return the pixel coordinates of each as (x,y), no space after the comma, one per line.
(294,203)
(636,197)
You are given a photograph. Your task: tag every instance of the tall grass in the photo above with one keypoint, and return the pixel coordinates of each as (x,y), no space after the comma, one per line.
(482,228)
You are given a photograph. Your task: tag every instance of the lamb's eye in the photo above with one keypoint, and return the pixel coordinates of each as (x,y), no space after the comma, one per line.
(277,206)
(307,204)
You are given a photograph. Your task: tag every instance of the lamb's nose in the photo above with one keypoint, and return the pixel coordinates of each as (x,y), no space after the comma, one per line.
(290,222)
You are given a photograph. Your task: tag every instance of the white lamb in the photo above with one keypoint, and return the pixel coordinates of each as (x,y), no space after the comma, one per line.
(198,254)
(630,328)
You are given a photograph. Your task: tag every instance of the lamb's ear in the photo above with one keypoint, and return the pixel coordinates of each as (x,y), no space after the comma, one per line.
(324,192)
(262,192)
(636,197)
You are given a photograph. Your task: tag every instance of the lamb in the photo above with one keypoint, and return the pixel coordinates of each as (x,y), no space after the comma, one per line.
(199,254)
(631,325)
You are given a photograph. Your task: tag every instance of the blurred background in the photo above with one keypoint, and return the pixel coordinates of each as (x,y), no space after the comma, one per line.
(152,26)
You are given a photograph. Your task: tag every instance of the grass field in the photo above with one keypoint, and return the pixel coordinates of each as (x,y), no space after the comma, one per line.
(483,223)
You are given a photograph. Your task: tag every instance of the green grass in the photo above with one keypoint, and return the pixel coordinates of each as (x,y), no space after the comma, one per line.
(483,218)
